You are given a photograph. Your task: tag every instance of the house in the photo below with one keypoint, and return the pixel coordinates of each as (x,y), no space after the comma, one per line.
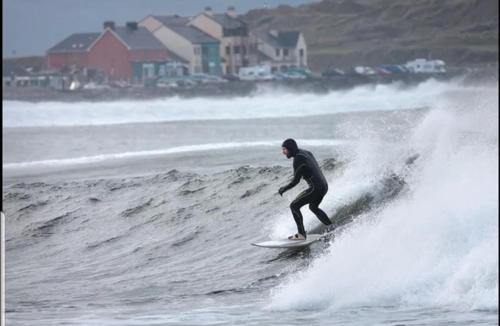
(198,49)
(14,75)
(18,75)
(238,47)
(282,49)
(73,51)
(128,52)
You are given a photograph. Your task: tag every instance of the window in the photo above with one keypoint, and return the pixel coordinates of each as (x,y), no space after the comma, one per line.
(277,52)
(228,50)
(285,52)
(236,49)
(148,70)
(197,51)
(243,49)
(162,71)
(301,52)
(238,31)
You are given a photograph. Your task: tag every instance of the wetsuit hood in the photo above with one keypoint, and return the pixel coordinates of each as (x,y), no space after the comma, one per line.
(292,147)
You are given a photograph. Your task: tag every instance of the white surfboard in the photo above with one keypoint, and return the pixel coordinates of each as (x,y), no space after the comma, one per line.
(285,243)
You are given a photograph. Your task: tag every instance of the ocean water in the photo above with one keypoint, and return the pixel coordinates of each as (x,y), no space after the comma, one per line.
(142,212)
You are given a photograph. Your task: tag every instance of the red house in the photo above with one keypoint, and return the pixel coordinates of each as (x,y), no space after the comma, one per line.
(114,52)
(72,51)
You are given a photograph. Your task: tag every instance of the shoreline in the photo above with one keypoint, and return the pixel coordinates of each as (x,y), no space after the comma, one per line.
(234,88)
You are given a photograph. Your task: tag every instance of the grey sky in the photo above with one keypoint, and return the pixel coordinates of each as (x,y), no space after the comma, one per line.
(30,27)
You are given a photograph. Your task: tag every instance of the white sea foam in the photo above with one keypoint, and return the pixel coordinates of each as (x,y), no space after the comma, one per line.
(265,103)
(435,246)
(172,150)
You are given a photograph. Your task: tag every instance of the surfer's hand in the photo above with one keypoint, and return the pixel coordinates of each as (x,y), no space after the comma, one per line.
(281,191)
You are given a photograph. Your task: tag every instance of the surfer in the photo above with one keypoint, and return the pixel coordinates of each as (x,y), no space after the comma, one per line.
(305,166)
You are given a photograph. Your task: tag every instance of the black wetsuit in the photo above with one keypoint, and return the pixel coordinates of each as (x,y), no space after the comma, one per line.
(305,166)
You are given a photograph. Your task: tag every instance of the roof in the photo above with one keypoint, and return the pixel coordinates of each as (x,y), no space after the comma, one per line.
(283,39)
(263,57)
(139,39)
(135,39)
(172,57)
(79,42)
(179,25)
(172,20)
(227,21)
(175,57)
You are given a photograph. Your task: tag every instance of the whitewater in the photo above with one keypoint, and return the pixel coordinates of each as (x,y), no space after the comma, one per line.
(142,212)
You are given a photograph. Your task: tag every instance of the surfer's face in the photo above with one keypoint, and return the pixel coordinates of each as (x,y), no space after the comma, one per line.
(285,151)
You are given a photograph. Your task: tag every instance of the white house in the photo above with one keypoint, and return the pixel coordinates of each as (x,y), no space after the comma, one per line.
(238,47)
(283,49)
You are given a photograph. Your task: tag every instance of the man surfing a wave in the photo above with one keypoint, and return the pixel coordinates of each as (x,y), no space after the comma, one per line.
(305,166)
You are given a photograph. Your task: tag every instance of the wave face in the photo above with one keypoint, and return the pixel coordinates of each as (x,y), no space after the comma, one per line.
(437,245)
(266,103)
(157,229)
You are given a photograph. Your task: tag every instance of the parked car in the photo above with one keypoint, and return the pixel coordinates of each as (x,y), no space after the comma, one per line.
(185,82)
(395,69)
(231,77)
(207,79)
(166,82)
(120,84)
(365,71)
(256,73)
(94,85)
(289,75)
(303,71)
(216,79)
(333,72)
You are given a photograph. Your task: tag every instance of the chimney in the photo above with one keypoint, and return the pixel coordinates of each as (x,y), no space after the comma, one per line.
(109,24)
(132,26)
(231,12)
(208,11)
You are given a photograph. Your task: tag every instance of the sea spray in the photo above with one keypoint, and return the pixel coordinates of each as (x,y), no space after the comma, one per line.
(434,246)
(264,104)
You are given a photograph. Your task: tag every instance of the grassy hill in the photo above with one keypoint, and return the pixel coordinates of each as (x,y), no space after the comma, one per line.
(343,33)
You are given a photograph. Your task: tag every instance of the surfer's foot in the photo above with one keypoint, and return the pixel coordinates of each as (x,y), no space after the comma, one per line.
(297,236)
(330,228)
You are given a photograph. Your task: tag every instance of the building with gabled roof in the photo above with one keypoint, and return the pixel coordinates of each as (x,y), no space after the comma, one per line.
(238,47)
(11,73)
(286,49)
(196,47)
(118,52)
(73,50)
(77,42)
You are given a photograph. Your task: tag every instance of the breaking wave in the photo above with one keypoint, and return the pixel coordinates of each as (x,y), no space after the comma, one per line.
(436,245)
(264,104)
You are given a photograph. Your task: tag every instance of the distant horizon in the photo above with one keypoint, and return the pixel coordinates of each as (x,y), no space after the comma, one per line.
(31,27)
